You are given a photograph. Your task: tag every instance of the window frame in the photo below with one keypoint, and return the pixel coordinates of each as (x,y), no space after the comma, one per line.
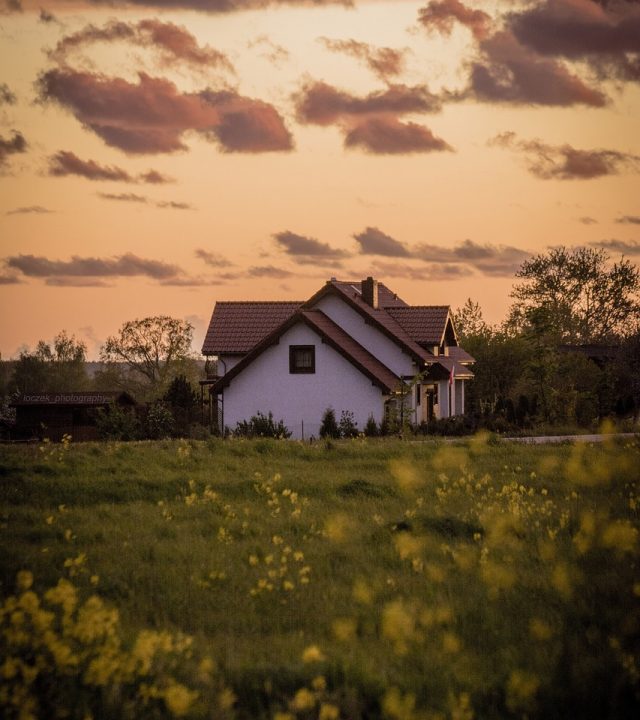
(294,368)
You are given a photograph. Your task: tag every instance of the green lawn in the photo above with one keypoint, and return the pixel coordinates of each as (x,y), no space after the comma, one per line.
(363,579)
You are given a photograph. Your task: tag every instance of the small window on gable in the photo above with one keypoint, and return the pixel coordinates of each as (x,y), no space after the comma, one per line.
(302,359)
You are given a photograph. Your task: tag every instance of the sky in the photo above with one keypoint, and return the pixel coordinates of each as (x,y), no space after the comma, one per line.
(159,155)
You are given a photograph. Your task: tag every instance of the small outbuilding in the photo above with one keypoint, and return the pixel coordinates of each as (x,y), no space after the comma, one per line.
(53,415)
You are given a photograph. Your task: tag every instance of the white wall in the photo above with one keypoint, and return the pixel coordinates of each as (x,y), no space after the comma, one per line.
(378,344)
(226,362)
(266,385)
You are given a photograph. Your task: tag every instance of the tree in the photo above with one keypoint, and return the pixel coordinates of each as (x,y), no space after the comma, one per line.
(183,399)
(153,348)
(583,297)
(59,367)
(469,321)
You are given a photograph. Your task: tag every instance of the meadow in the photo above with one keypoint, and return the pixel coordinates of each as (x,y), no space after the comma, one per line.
(352,579)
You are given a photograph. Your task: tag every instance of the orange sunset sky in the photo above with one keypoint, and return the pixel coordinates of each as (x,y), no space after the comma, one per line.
(159,155)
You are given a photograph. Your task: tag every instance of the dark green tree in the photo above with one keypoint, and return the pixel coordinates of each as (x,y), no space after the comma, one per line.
(51,368)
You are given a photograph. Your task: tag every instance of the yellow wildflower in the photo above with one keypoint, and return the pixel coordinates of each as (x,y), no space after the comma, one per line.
(303,700)
(328,712)
(179,699)
(312,653)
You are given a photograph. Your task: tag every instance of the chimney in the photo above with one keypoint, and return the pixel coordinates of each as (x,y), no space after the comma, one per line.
(370,292)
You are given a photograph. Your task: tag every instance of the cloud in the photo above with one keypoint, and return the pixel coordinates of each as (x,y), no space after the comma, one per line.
(509,72)
(435,272)
(384,62)
(212,259)
(29,210)
(65,163)
(388,136)
(153,177)
(220,6)
(174,43)
(47,17)
(174,205)
(268,271)
(13,6)
(321,104)
(7,97)
(124,197)
(76,282)
(626,247)
(586,220)
(441,15)
(301,247)
(492,260)
(564,162)
(274,53)
(373,241)
(628,220)
(9,279)
(128,265)
(13,146)
(152,115)
(605,34)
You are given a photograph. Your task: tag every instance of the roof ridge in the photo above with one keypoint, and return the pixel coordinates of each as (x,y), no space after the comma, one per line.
(260,302)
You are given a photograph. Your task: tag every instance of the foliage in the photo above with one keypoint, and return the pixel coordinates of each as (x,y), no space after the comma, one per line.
(66,656)
(329,426)
(347,425)
(582,296)
(159,422)
(51,368)
(383,580)
(183,400)
(262,426)
(116,423)
(153,347)
(371,427)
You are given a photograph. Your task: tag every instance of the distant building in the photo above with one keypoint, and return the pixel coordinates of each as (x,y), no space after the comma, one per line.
(53,415)
(353,346)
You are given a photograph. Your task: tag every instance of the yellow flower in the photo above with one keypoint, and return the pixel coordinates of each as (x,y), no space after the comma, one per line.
(303,700)
(319,683)
(312,654)
(344,629)
(328,712)
(521,689)
(179,699)
(24,580)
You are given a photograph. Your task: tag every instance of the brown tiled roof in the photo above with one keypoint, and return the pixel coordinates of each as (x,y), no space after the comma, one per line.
(334,336)
(460,355)
(236,327)
(386,298)
(349,348)
(459,370)
(424,323)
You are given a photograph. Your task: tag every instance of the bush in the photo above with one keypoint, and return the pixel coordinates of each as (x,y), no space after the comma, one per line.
(160,423)
(262,426)
(329,427)
(371,427)
(114,423)
(347,426)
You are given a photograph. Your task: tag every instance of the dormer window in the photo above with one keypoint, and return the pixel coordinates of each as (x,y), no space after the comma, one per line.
(302,359)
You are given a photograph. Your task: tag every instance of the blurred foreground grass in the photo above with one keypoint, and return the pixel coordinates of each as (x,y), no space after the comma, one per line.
(265,579)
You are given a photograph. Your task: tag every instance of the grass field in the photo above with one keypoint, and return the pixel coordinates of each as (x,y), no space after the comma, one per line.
(363,579)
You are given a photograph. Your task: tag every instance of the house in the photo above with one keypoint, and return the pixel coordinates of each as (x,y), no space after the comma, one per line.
(53,415)
(352,346)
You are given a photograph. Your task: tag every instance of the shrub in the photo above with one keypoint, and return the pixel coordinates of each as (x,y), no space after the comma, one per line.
(160,423)
(114,423)
(329,427)
(347,426)
(262,426)
(371,427)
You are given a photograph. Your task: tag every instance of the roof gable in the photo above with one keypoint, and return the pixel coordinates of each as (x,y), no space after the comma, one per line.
(350,293)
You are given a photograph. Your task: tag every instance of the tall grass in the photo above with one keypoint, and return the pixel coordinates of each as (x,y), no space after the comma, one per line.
(360,579)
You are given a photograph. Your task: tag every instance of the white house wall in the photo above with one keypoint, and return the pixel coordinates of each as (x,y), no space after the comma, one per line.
(378,344)
(266,385)
(226,362)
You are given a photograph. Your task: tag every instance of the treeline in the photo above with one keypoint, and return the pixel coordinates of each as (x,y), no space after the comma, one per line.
(568,352)
(151,359)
